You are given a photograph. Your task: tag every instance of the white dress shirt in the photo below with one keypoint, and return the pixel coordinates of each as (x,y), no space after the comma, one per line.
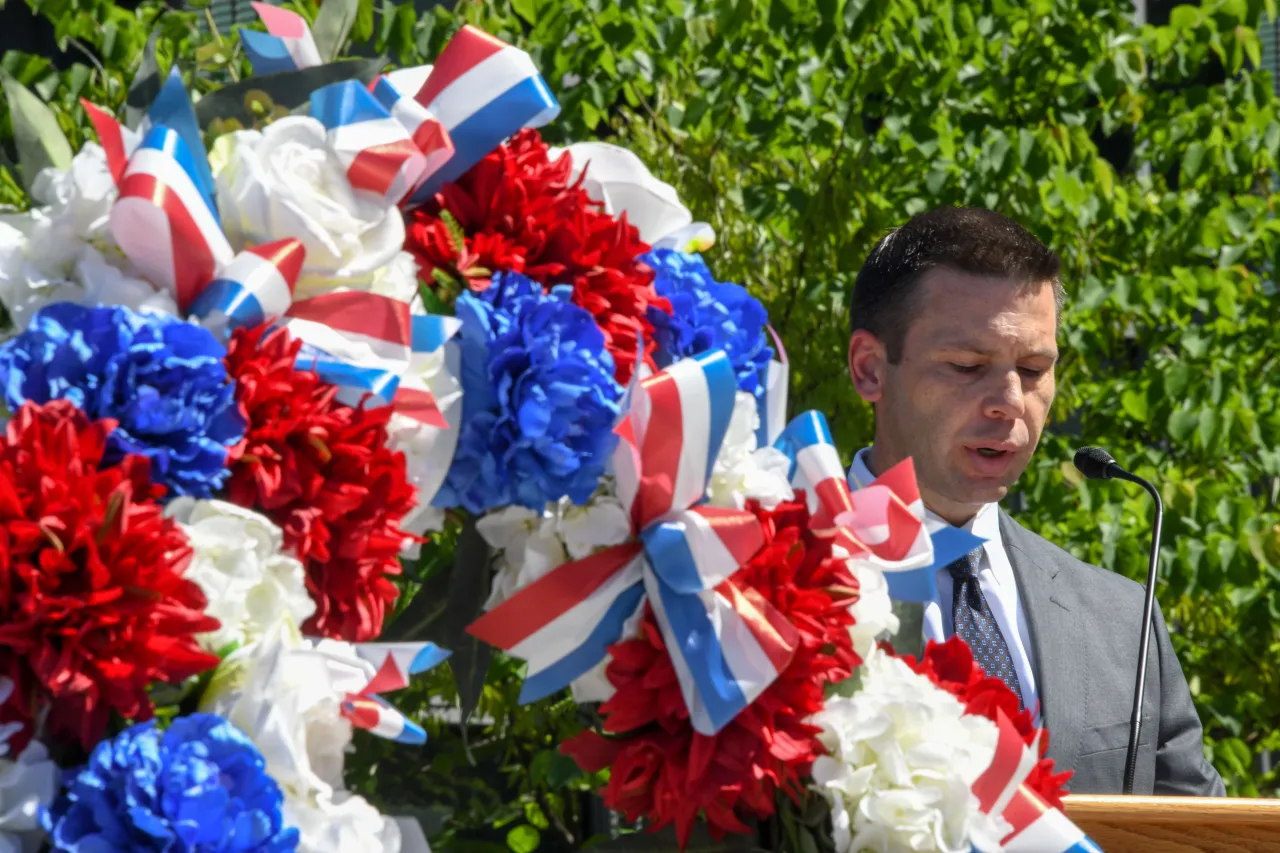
(995,575)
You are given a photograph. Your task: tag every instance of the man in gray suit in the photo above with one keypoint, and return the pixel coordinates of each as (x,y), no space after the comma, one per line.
(954,325)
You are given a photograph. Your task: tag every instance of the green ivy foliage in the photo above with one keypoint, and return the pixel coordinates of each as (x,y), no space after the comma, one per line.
(1146,156)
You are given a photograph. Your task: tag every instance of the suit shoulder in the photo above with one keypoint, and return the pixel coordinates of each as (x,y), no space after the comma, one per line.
(1086,578)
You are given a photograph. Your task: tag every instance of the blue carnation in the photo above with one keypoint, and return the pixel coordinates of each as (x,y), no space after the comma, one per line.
(200,787)
(706,315)
(539,399)
(162,379)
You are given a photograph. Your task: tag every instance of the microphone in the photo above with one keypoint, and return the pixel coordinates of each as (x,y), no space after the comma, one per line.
(1097,464)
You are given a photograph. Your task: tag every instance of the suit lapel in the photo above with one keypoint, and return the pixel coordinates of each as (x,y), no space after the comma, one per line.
(1061,675)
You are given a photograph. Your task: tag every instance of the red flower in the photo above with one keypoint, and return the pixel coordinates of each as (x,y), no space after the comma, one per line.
(661,767)
(518,212)
(323,472)
(950,665)
(93,603)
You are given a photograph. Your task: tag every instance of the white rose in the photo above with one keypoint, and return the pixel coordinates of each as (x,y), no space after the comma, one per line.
(741,471)
(286,694)
(240,564)
(902,756)
(623,184)
(284,181)
(25,785)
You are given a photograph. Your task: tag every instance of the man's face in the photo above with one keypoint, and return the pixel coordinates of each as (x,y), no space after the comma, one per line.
(970,395)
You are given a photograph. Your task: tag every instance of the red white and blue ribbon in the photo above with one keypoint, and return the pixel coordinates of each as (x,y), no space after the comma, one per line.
(727,644)
(385,153)
(881,523)
(287,45)
(172,109)
(257,285)
(426,131)
(118,142)
(394,664)
(482,90)
(1037,827)
(162,220)
(167,226)
(948,543)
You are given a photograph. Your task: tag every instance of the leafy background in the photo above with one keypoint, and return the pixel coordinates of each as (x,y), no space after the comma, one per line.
(1147,156)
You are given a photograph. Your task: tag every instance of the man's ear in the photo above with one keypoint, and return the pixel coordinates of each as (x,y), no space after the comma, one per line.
(868,365)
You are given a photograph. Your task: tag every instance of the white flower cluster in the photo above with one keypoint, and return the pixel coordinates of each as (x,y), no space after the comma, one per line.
(26,784)
(743,471)
(62,249)
(286,692)
(902,755)
(240,565)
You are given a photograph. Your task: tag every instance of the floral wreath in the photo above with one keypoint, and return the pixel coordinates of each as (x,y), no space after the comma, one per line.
(246,380)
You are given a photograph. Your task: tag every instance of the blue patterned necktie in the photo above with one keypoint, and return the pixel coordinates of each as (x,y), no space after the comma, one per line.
(974,623)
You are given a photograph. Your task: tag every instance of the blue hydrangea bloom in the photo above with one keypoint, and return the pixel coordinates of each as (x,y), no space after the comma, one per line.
(200,787)
(539,399)
(707,314)
(162,379)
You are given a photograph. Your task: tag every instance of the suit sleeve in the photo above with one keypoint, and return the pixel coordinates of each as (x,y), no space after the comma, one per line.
(1181,768)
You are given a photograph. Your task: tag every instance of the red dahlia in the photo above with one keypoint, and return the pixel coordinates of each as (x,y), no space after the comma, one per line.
(519,212)
(93,603)
(661,767)
(323,472)
(950,665)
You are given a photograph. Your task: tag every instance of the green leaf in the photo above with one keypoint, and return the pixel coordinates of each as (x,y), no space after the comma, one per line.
(468,590)
(853,10)
(1184,18)
(561,771)
(1207,426)
(1192,158)
(333,25)
(1134,402)
(1181,424)
(362,29)
(36,133)
(524,839)
(402,32)
(416,622)
(527,9)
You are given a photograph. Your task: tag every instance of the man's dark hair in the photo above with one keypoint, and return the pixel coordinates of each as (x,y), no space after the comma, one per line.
(965,239)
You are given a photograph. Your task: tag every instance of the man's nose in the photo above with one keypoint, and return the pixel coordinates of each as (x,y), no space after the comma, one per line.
(1005,398)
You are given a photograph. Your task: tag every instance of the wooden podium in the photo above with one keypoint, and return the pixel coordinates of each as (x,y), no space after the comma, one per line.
(1177,824)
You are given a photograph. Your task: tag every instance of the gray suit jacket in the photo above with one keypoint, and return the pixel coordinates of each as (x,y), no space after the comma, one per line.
(1085,625)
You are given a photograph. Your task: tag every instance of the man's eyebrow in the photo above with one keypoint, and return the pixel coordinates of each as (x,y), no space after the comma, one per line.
(979,349)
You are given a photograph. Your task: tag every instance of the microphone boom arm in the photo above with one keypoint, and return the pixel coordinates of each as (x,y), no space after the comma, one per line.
(1148,614)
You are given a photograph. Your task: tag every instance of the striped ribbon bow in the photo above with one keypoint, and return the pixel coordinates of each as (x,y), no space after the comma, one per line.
(395,664)
(166,222)
(416,129)
(1037,827)
(882,523)
(482,90)
(919,583)
(727,644)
